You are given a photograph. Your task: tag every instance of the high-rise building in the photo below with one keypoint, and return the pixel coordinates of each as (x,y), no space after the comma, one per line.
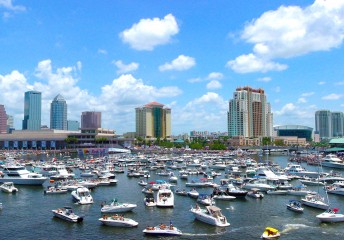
(58,113)
(73,125)
(249,114)
(323,123)
(10,123)
(91,120)
(153,121)
(3,120)
(32,110)
(337,123)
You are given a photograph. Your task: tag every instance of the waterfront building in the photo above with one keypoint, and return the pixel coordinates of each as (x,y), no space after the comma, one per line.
(337,123)
(32,110)
(10,123)
(3,119)
(91,120)
(323,123)
(73,125)
(58,113)
(153,121)
(249,114)
(294,131)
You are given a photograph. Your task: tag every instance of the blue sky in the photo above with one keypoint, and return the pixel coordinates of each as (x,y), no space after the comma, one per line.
(113,56)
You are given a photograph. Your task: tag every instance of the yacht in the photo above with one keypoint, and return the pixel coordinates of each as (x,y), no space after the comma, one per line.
(211,215)
(314,200)
(333,161)
(62,173)
(261,183)
(19,175)
(336,188)
(118,221)
(298,170)
(162,230)
(67,214)
(331,215)
(116,207)
(82,196)
(165,198)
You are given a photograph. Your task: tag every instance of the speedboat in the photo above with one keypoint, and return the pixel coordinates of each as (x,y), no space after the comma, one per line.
(67,214)
(193,193)
(162,230)
(118,221)
(255,193)
(260,183)
(165,198)
(300,191)
(82,196)
(336,188)
(295,206)
(8,187)
(142,182)
(55,190)
(116,207)
(205,199)
(298,170)
(331,215)
(314,200)
(222,195)
(211,215)
(150,202)
(277,192)
(181,192)
(270,233)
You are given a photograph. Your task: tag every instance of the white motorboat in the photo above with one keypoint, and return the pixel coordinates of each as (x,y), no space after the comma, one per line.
(312,182)
(142,183)
(205,199)
(181,192)
(8,187)
(222,195)
(165,198)
(300,191)
(62,173)
(118,221)
(67,214)
(211,215)
(87,174)
(336,188)
(298,170)
(315,201)
(332,161)
(193,193)
(295,206)
(331,216)
(19,175)
(55,190)
(255,193)
(82,196)
(260,183)
(116,207)
(162,230)
(150,202)
(277,192)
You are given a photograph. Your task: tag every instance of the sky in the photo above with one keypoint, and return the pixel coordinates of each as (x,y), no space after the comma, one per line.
(113,56)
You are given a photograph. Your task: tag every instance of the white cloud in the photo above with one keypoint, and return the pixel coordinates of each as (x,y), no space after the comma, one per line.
(149,33)
(8,4)
(194,80)
(214,84)
(307,94)
(321,83)
(264,79)
(215,76)
(125,68)
(339,83)
(290,113)
(301,100)
(290,31)
(286,109)
(251,63)
(181,63)
(102,51)
(332,96)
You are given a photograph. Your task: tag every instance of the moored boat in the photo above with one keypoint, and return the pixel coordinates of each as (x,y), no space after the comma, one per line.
(116,207)
(8,187)
(331,216)
(82,196)
(295,206)
(118,221)
(67,214)
(211,215)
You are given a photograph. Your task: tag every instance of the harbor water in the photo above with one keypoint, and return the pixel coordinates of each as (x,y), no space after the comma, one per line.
(27,214)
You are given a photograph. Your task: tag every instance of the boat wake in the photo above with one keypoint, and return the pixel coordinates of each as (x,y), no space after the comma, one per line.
(291,227)
(204,234)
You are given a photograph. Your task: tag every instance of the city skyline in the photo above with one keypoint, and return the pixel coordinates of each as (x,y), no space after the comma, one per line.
(190,57)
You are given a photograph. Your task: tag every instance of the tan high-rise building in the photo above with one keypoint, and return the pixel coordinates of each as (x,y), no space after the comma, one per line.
(153,121)
(249,114)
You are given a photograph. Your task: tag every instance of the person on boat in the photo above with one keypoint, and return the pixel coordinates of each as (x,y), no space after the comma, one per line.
(171,226)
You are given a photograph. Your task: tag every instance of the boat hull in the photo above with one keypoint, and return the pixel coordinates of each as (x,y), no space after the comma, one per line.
(119,223)
(24,181)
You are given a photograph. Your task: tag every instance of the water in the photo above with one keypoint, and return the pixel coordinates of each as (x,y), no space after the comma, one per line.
(27,215)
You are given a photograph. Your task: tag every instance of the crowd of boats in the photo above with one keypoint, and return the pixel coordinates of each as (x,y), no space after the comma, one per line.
(236,177)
